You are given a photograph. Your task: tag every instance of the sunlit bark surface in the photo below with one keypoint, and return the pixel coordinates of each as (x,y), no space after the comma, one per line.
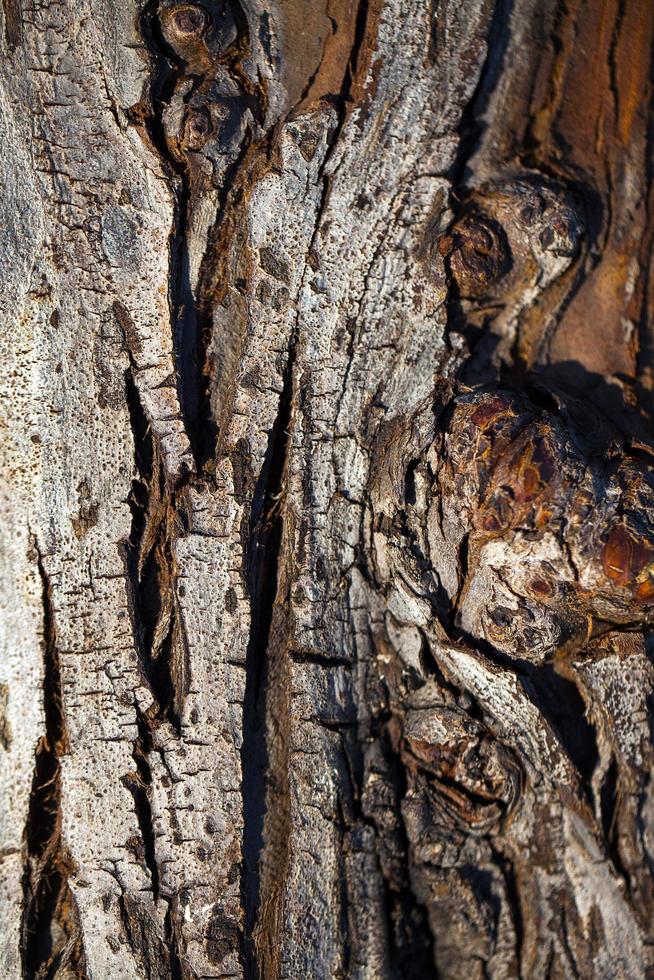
(327,492)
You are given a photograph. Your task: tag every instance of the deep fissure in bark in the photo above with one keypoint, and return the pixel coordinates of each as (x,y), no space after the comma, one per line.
(472,124)
(609,805)
(149,563)
(206,427)
(559,701)
(174,940)
(191,311)
(262,568)
(409,936)
(51,935)
(158,519)
(183,313)
(191,321)
(139,784)
(353,70)
(147,558)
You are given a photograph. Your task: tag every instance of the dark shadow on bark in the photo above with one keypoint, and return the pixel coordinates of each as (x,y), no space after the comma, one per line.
(262,562)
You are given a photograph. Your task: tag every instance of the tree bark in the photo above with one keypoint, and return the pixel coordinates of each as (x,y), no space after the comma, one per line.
(328,489)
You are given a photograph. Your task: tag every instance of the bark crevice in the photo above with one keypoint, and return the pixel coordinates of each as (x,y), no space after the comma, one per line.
(150,568)
(265,731)
(51,933)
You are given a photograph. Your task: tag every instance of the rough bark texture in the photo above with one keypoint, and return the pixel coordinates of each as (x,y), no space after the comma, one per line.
(328,489)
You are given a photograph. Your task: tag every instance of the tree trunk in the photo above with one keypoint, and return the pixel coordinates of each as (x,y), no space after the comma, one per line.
(328,494)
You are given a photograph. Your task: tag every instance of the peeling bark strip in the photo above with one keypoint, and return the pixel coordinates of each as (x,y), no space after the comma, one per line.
(327,574)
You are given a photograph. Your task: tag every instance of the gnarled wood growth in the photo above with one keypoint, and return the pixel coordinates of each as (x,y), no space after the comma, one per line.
(328,496)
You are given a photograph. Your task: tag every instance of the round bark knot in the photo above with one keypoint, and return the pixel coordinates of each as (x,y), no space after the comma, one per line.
(559,541)
(198,32)
(476,254)
(190,21)
(187,21)
(461,778)
(510,235)
(198,128)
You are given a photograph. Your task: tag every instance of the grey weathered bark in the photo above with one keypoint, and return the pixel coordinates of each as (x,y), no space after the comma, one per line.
(328,489)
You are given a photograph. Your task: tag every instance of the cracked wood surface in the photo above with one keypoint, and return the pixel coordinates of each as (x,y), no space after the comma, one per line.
(327,563)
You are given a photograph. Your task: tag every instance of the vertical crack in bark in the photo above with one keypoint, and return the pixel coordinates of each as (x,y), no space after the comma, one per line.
(410,939)
(264,754)
(153,563)
(162,648)
(609,807)
(158,513)
(191,309)
(558,700)
(139,783)
(509,878)
(159,510)
(13,16)
(51,941)
(150,568)
(173,939)
(210,283)
(183,311)
(472,126)
(343,102)
(409,934)
(355,66)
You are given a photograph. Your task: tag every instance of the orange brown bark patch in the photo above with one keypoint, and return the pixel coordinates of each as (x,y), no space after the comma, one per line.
(627,561)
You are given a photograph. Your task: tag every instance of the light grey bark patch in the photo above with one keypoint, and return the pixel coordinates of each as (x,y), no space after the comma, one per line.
(120,237)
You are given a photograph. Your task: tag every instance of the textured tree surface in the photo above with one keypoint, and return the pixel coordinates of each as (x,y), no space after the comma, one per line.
(327,494)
